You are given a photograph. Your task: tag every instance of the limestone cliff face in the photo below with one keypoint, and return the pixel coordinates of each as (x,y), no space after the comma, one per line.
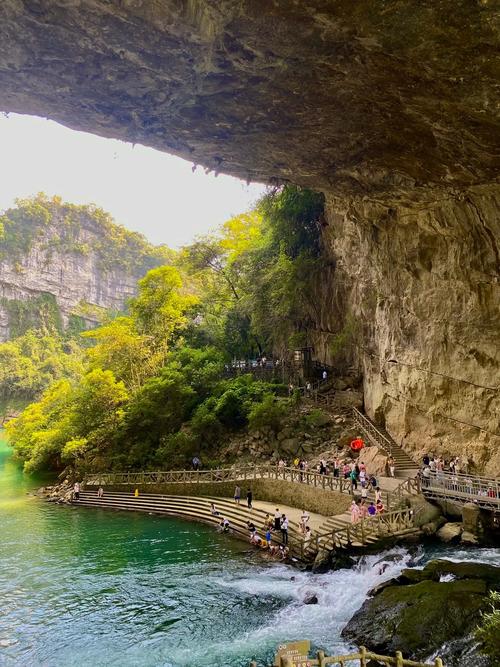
(75,267)
(421,277)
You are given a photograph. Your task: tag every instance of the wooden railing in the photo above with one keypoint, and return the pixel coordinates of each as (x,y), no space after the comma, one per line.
(236,474)
(363,656)
(375,436)
(408,487)
(247,474)
(378,526)
(462,488)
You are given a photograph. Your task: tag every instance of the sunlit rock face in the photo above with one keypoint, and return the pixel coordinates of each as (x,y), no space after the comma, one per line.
(421,277)
(390,108)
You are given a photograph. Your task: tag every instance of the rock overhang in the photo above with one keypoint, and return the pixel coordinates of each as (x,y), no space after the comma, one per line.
(347,97)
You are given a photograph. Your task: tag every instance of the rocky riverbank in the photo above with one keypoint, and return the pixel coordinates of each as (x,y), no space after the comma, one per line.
(431,611)
(59,493)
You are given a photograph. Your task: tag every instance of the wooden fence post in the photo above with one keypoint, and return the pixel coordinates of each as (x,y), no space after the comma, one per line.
(438,662)
(321,658)
(362,660)
(399,659)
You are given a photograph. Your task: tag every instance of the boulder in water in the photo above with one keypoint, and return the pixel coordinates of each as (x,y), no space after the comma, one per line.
(418,614)
(311,598)
(450,532)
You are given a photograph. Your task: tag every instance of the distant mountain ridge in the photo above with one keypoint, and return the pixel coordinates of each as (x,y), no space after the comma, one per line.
(66,265)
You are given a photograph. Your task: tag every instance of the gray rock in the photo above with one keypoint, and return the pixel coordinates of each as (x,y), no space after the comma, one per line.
(450,532)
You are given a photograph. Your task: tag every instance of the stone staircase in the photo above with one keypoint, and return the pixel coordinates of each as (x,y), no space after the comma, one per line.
(405,466)
(194,508)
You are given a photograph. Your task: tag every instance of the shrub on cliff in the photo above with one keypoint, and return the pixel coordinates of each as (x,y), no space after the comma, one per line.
(488,633)
(269,413)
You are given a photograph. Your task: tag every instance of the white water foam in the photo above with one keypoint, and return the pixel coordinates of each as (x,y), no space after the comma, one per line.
(340,594)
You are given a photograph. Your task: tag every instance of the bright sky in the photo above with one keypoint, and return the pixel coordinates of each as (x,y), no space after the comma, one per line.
(143,189)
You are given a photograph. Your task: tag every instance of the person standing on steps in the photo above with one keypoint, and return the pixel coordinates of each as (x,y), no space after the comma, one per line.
(304,520)
(100,492)
(354,480)
(196,463)
(336,466)
(277,520)
(237,495)
(76,490)
(284,529)
(392,466)
(249,498)
(324,375)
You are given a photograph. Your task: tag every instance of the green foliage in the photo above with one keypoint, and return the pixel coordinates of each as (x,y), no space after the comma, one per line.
(81,229)
(150,392)
(293,216)
(176,449)
(256,277)
(316,418)
(269,413)
(40,312)
(30,363)
(488,632)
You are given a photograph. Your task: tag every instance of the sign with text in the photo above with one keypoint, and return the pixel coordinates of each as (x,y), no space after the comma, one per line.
(297,652)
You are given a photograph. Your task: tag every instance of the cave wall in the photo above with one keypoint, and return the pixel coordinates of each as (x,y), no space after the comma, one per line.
(421,277)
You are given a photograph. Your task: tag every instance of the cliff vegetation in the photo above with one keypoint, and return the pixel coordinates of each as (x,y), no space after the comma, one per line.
(151,389)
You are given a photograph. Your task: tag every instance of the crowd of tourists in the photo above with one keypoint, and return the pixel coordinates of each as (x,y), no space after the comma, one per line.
(453,474)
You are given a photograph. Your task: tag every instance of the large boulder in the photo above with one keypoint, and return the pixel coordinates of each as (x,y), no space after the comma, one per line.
(450,532)
(374,459)
(423,511)
(290,445)
(419,614)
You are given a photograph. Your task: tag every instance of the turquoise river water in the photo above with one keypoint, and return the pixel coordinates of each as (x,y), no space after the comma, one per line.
(97,588)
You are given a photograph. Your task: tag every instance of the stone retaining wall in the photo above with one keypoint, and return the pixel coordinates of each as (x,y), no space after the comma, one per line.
(282,492)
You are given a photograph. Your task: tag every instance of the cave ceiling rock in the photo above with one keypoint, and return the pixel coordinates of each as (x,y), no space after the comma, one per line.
(343,96)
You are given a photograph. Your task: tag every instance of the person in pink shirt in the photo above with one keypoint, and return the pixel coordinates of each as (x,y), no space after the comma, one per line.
(354,512)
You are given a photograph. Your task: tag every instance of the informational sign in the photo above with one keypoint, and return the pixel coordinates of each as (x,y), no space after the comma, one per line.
(297,652)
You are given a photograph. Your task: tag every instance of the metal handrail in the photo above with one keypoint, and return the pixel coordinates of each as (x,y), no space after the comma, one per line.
(462,488)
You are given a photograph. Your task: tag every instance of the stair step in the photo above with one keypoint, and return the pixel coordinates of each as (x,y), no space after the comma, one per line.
(156,501)
(235,518)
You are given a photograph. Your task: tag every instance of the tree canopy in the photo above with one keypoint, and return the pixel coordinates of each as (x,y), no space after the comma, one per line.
(149,388)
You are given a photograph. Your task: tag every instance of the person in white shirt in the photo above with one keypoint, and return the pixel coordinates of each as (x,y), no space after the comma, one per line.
(304,519)
(76,490)
(284,529)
